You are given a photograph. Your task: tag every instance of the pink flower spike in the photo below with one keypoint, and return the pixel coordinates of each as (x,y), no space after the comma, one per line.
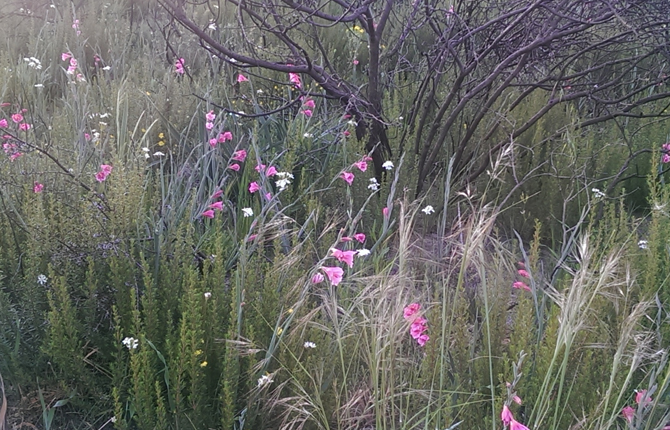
(37,188)
(240,155)
(210,116)
(515,425)
(213,142)
(25,126)
(360,237)
(416,329)
(241,78)
(523,273)
(65,56)
(506,415)
(516,399)
(317,278)
(253,187)
(361,165)
(421,340)
(628,413)
(309,103)
(348,177)
(521,286)
(208,213)
(217,194)
(235,167)
(3,123)
(216,206)
(272,170)
(334,274)
(260,168)
(225,136)
(385,212)
(294,78)
(344,256)
(17,118)
(307,113)
(410,310)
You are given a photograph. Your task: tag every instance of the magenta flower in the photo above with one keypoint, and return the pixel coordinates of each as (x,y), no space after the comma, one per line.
(628,413)
(307,113)
(213,142)
(3,123)
(346,239)
(642,398)
(100,176)
(361,165)
(106,168)
(25,126)
(355,62)
(272,170)
(423,339)
(253,187)
(208,213)
(216,206)
(217,194)
(241,78)
(506,415)
(410,310)
(209,125)
(73,62)
(346,133)
(309,103)
(15,155)
(17,118)
(348,177)
(260,168)
(65,56)
(37,188)
(521,286)
(515,425)
(225,136)
(385,212)
(179,66)
(235,167)
(416,329)
(523,273)
(240,155)
(294,78)
(360,237)
(317,278)
(344,256)
(334,274)
(516,399)
(210,115)
(268,196)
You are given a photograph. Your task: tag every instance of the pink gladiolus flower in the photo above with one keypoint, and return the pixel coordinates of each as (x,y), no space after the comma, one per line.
(225,136)
(348,177)
(3,123)
(217,206)
(235,167)
(217,194)
(307,113)
(100,176)
(355,62)
(628,413)
(410,310)
(15,155)
(240,155)
(213,142)
(294,78)
(209,125)
(252,238)
(346,133)
(385,212)
(515,425)
(346,239)
(516,399)
(209,116)
(17,118)
(260,168)
(360,237)
(106,168)
(334,274)
(309,103)
(423,339)
(416,329)
(272,170)
(208,213)
(65,56)
(241,78)
(317,278)
(344,256)
(268,196)
(523,273)
(641,397)
(25,126)
(179,66)
(506,415)
(362,165)
(37,188)
(253,187)
(521,286)
(73,62)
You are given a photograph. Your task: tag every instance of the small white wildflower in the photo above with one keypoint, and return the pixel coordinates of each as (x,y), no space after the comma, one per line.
(212,26)
(308,135)
(310,345)
(363,252)
(259,91)
(112,419)
(264,380)
(208,295)
(241,112)
(158,154)
(597,193)
(428,210)
(374,185)
(39,85)
(130,342)
(400,118)
(248,212)
(643,244)
(352,122)
(388,165)
(282,184)
(145,149)
(106,68)
(41,279)
(285,175)
(104,115)
(147,156)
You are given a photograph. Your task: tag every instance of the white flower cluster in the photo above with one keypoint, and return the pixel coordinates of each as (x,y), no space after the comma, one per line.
(597,193)
(643,244)
(248,212)
(42,280)
(284,180)
(428,210)
(363,252)
(374,185)
(130,342)
(264,380)
(311,345)
(388,165)
(33,62)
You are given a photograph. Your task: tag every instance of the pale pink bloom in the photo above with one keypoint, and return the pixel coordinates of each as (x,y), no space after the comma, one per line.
(235,167)
(523,273)
(309,103)
(100,176)
(346,133)
(252,237)
(416,329)
(217,206)
(361,165)
(87,136)
(179,66)
(360,237)
(3,123)
(344,256)
(641,397)
(348,177)
(73,62)
(272,170)
(65,56)
(423,339)
(241,78)
(628,413)
(213,142)
(355,62)
(209,125)
(410,310)
(516,399)
(25,126)
(521,265)
(521,286)
(268,196)
(208,213)
(37,188)
(17,118)
(240,155)
(225,136)
(506,415)
(294,78)
(260,168)
(209,116)
(334,274)
(307,113)
(385,212)
(253,187)
(217,194)
(317,278)
(515,425)
(346,239)
(106,168)
(15,155)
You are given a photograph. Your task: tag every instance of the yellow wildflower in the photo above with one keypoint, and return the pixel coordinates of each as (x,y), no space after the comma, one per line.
(203,364)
